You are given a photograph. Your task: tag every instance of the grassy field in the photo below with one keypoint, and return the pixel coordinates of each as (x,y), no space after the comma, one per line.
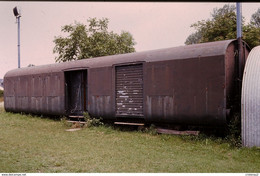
(33,144)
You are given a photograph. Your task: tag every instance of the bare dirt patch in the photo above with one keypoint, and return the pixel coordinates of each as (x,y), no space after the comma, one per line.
(1,104)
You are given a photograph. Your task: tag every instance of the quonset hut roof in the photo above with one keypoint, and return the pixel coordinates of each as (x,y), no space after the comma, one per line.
(182,52)
(250,100)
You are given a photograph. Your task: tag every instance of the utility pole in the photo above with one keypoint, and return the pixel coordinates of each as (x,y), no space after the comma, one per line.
(239,39)
(18,16)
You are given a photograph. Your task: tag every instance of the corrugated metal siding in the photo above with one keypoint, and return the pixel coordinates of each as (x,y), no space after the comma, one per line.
(250,100)
(100,101)
(129,90)
(38,94)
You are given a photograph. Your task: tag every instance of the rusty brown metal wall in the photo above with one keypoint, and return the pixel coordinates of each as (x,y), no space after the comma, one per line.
(187,91)
(230,75)
(39,94)
(100,101)
(129,90)
(9,94)
(186,85)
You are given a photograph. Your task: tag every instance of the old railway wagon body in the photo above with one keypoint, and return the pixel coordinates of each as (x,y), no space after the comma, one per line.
(181,85)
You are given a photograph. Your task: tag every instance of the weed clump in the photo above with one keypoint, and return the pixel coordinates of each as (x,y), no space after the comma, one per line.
(234,131)
(92,121)
(150,130)
(1,93)
(64,121)
(89,122)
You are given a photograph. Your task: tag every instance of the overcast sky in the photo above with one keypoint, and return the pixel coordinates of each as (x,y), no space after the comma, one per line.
(153,25)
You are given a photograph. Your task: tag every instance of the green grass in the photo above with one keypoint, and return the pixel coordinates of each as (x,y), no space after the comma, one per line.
(33,144)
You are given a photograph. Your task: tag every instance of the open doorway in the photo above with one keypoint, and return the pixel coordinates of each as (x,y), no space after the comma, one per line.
(76,89)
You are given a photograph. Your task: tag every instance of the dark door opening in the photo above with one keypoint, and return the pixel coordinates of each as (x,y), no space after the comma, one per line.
(76,89)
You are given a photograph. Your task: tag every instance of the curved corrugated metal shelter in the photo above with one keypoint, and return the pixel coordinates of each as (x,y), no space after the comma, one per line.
(250,100)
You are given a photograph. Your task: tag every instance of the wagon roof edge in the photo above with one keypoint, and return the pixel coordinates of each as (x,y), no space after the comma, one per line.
(173,53)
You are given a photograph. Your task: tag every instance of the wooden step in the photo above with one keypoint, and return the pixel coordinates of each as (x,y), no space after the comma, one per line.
(176,132)
(128,123)
(70,121)
(73,129)
(78,117)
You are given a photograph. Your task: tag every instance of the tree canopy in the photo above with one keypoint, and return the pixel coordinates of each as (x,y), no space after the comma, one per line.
(222,26)
(92,40)
(255,18)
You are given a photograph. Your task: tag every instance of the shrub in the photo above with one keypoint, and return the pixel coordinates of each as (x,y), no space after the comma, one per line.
(150,130)
(234,130)
(92,121)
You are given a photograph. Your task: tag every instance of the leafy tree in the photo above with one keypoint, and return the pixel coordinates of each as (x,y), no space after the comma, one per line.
(31,65)
(194,38)
(252,30)
(255,19)
(251,35)
(222,26)
(92,40)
